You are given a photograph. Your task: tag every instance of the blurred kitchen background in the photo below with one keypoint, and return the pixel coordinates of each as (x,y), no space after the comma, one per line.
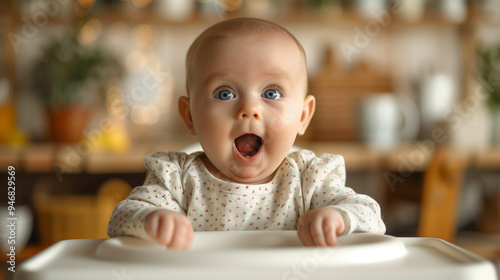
(408,92)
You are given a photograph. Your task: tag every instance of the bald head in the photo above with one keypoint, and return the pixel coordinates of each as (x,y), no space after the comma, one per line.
(245,28)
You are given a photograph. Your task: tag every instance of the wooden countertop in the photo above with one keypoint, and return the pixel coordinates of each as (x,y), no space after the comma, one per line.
(49,157)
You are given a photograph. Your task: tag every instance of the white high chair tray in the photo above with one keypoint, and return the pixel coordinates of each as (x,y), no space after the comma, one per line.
(257,255)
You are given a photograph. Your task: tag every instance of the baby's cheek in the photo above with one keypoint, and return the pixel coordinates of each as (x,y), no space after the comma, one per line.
(212,124)
(284,122)
(287,113)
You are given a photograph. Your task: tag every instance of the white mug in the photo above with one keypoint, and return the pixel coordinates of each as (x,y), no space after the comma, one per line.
(437,96)
(387,119)
(15,230)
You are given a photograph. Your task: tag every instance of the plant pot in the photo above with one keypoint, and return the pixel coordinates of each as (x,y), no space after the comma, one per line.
(66,124)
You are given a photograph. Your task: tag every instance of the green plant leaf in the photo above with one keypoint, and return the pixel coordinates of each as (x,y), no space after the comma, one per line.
(65,67)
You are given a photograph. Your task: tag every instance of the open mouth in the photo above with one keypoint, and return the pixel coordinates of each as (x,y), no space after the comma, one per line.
(248,144)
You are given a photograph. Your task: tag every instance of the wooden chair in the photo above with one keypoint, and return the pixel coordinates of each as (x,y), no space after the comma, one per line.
(442,188)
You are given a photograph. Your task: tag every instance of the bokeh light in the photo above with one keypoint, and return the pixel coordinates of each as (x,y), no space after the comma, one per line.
(90,31)
(145,114)
(135,61)
(142,35)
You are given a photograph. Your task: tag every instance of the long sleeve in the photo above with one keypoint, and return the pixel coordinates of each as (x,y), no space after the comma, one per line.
(162,189)
(323,184)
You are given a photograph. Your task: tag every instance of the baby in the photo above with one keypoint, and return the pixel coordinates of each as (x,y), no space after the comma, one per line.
(246,102)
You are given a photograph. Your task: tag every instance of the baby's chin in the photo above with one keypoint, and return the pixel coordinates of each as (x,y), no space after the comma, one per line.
(246,174)
(258,172)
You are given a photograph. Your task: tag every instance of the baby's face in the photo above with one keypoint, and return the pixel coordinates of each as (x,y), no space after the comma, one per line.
(247,101)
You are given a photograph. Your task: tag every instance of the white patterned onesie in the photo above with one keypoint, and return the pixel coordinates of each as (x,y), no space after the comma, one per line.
(304,181)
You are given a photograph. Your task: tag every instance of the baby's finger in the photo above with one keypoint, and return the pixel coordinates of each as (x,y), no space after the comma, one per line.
(330,233)
(152,224)
(304,234)
(188,235)
(189,238)
(165,232)
(180,238)
(316,229)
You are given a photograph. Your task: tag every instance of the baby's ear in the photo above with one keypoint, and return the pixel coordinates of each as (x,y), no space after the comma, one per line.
(307,113)
(185,112)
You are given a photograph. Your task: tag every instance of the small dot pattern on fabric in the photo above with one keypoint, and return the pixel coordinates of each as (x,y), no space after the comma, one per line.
(304,181)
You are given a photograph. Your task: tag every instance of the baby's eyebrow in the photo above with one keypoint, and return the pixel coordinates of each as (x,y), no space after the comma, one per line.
(280,78)
(276,75)
(217,76)
(271,76)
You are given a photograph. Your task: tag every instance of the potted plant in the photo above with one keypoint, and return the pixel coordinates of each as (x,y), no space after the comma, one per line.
(489,72)
(67,78)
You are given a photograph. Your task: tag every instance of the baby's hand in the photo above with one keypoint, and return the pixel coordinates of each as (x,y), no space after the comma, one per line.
(320,227)
(170,228)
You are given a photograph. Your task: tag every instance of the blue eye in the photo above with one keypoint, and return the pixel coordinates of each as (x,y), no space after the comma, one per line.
(224,95)
(271,94)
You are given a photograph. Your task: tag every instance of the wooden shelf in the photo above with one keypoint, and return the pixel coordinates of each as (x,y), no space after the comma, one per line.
(48,157)
(408,158)
(357,156)
(346,18)
(296,13)
(51,157)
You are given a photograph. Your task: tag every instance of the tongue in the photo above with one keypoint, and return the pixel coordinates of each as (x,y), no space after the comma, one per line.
(248,144)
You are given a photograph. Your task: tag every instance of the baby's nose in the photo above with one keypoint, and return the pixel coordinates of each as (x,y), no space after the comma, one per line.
(249,110)
(244,115)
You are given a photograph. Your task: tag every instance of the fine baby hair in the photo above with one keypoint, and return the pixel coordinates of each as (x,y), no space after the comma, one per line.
(246,102)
